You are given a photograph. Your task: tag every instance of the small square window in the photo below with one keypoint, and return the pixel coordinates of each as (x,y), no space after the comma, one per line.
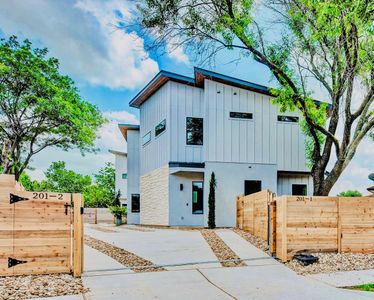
(299,190)
(146,138)
(124,176)
(160,127)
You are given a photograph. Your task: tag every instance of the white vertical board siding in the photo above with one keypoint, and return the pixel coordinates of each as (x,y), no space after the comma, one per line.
(185,101)
(156,153)
(261,140)
(133,172)
(121,168)
(285,183)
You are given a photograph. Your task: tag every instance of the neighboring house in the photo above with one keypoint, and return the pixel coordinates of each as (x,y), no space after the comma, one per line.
(191,127)
(121,175)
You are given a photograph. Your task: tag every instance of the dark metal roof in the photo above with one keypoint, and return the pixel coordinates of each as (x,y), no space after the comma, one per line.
(199,75)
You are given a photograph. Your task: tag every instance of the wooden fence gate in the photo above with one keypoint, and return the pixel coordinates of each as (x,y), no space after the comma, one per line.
(40,232)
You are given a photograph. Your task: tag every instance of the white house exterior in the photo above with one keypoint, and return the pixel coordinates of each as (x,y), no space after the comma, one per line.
(120,164)
(191,127)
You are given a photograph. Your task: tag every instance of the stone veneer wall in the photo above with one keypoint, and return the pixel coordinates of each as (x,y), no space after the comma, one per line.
(154,197)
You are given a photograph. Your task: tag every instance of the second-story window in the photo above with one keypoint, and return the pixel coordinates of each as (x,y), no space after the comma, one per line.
(290,119)
(241,115)
(160,127)
(146,138)
(194,131)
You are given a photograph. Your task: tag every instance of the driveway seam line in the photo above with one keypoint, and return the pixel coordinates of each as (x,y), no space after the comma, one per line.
(215,285)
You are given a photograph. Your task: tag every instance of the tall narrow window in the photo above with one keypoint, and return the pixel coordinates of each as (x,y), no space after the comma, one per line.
(299,190)
(160,127)
(197,197)
(135,203)
(194,131)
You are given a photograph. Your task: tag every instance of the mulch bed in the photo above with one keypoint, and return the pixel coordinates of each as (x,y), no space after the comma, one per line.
(334,262)
(35,286)
(254,240)
(221,250)
(124,257)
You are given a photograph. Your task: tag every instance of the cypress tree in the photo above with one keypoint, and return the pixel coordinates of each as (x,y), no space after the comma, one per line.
(212,201)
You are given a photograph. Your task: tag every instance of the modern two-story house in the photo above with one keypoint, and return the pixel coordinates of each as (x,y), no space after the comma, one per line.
(191,127)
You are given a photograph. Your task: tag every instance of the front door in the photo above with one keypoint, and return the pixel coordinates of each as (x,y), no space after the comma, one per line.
(197,197)
(252,186)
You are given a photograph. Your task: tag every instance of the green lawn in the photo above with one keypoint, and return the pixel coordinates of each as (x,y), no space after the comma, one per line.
(369,287)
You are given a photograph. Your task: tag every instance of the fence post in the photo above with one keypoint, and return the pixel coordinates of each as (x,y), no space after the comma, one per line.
(95,215)
(77,235)
(284,203)
(339,231)
(273,224)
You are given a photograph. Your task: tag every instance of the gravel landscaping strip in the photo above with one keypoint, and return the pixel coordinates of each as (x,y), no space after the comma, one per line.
(35,286)
(334,262)
(221,250)
(124,257)
(254,240)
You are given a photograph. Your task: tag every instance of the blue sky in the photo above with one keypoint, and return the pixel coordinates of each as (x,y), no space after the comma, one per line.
(110,66)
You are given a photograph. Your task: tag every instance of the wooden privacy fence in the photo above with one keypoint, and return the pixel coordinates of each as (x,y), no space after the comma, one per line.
(306,224)
(40,232)
(252,213)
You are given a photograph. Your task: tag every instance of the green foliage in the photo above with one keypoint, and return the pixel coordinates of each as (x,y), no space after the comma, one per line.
(39,107)
(350,193)
(212,201)
(100,193)
(60,179)
(118,211)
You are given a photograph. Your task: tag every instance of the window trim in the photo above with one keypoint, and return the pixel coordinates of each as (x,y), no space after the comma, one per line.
(202,142)
(157,135)
(292,117)
(150,138)
(241,112)
(304,184)
(202,211)
(132,208)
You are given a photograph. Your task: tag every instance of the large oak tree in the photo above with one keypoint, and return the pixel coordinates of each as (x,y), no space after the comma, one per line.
(39,107)
(329,43)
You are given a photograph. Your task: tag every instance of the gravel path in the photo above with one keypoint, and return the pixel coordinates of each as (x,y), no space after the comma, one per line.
(254,240)
(220,249)
(35,286)
(124,257)
(334,262)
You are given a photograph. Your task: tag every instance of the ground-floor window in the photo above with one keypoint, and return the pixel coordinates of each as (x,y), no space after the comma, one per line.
(197,197)
(299,190)
(135,203)
(252,186)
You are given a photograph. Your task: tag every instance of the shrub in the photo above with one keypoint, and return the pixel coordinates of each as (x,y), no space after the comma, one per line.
(212,202)
(350,193)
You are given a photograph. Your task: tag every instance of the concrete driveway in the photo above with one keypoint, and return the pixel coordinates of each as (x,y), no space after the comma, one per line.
(263,278)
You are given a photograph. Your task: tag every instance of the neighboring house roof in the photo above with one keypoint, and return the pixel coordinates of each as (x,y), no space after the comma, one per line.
(118,153)
(125,127)
(198,81)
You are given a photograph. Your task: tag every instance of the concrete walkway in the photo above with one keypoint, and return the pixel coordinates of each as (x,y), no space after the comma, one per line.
(244,249)
(161,246)
(263,278)
(343,279)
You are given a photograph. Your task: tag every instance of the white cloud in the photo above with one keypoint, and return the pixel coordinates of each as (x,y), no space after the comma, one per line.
(176,51)
(81,34)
